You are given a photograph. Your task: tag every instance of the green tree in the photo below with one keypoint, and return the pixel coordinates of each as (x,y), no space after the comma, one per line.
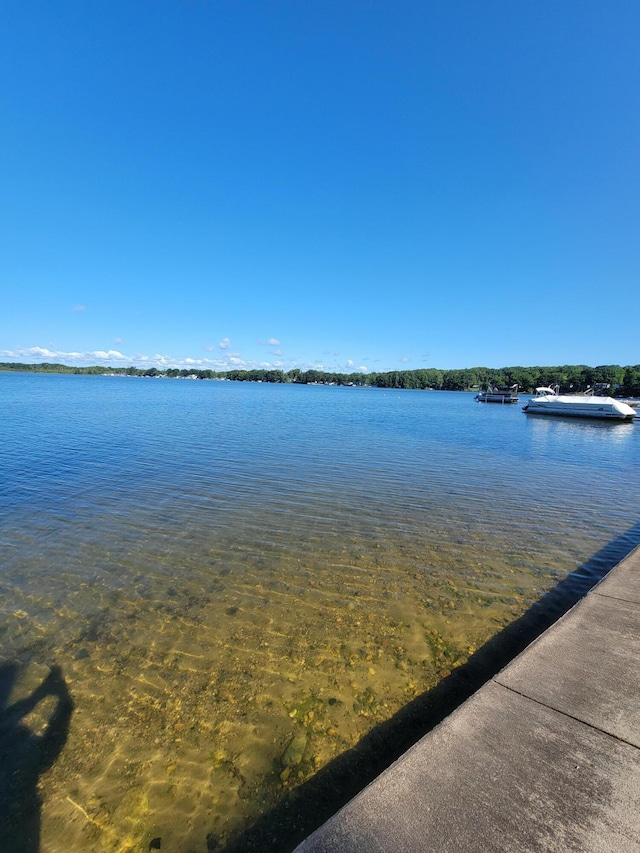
(631,381)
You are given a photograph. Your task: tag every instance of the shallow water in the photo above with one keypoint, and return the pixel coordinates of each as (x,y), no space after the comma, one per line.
(239,580)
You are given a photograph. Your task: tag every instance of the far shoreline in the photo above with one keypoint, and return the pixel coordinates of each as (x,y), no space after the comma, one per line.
(611,379)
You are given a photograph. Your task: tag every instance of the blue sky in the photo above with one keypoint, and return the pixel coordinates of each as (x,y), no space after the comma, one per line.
(342,185)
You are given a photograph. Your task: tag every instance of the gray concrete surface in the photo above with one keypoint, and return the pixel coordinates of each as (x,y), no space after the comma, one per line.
(544,757)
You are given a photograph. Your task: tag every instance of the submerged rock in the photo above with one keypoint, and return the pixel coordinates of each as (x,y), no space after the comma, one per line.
(294,753)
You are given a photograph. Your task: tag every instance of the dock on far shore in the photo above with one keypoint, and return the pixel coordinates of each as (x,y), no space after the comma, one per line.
(545,756)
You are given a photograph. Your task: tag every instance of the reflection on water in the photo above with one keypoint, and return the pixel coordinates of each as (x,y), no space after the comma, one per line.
(239,582)
(592,436)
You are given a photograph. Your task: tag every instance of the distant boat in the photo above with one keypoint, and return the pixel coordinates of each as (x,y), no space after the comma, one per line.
(549,402)
(495,394)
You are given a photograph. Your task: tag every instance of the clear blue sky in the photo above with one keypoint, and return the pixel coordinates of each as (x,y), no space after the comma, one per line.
(345,185)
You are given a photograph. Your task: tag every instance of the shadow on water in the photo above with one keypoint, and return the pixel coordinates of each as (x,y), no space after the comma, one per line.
(24,756)
(318,799)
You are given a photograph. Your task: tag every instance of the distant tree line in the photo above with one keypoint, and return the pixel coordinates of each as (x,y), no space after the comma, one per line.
(621,381)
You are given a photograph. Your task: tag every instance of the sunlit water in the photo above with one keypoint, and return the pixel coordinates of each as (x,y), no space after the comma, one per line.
(239,581)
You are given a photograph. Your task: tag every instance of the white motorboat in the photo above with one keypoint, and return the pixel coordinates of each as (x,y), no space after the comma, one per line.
(549,402)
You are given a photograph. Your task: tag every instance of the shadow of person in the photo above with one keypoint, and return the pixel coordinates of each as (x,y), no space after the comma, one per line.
(24,756)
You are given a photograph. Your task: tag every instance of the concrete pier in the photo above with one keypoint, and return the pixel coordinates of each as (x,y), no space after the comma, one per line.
(545,756)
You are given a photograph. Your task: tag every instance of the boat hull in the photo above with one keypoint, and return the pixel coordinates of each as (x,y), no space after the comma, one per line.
(590,407)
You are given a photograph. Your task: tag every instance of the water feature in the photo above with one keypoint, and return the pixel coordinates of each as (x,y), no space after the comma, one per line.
(240,581)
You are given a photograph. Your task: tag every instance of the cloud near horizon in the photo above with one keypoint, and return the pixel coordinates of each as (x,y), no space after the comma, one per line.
(115,358)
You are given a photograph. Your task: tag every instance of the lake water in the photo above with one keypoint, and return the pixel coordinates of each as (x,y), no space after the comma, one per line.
(239,581)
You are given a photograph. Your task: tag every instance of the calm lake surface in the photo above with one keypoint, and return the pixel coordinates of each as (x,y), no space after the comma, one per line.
(239,581)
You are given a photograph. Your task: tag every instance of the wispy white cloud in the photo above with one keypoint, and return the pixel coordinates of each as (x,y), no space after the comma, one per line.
(118,341)
(272,342)
(405,360)
(79,308)
(363,369)
(225,343)
(109,355)
(35,352)
(117,358)
(349,363)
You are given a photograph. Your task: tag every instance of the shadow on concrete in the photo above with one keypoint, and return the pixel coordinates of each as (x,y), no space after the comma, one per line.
(315,801)
(24,756)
